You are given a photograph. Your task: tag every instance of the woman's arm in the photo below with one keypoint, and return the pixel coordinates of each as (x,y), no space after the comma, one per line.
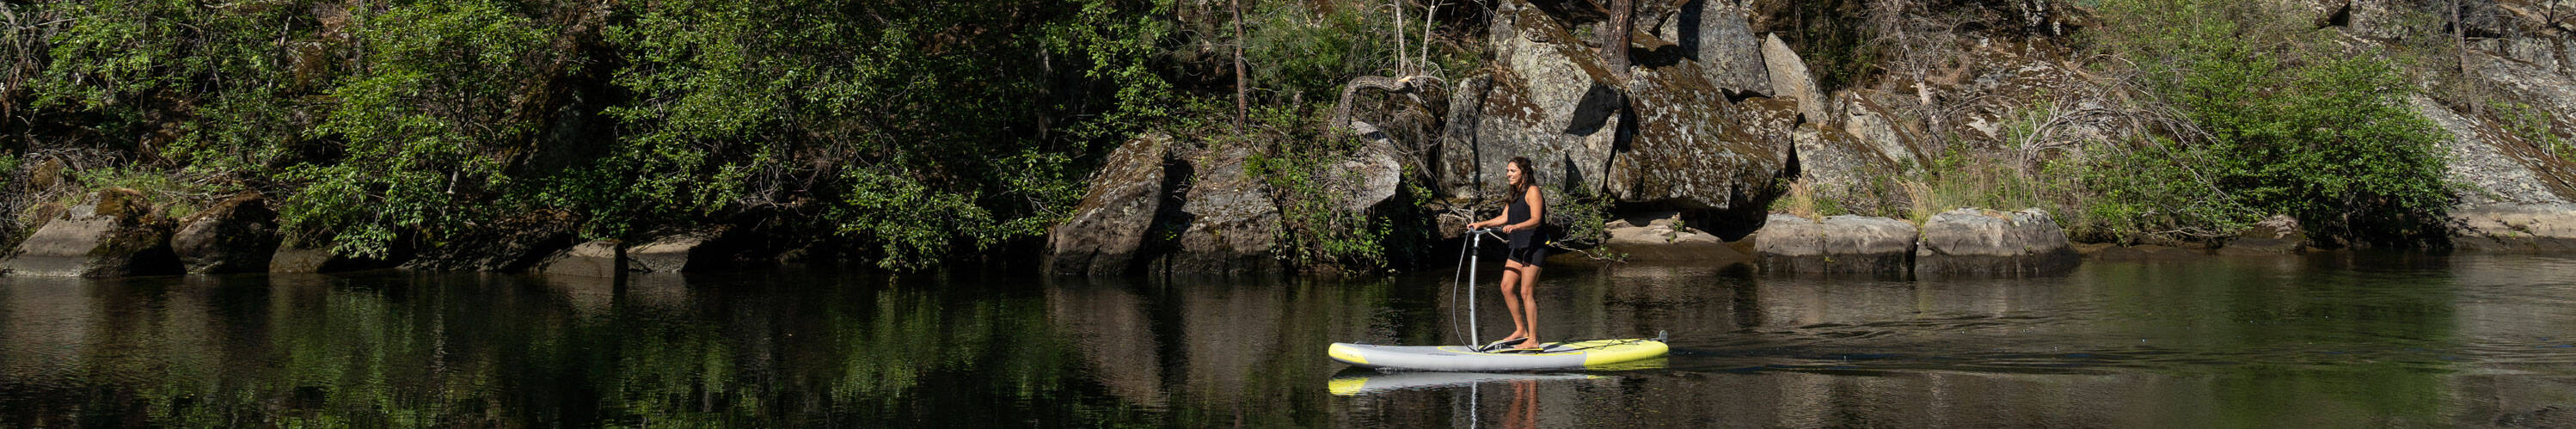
(1538,212)
(1497,220)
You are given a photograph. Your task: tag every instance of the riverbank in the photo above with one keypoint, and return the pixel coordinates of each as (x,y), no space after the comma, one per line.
(1702,125)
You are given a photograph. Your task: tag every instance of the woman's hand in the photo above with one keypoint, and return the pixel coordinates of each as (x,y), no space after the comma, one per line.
(1507,229)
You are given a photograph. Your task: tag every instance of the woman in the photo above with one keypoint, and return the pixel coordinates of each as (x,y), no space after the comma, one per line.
(1523,207)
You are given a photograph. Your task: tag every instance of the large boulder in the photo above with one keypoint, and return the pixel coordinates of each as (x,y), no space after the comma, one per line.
(1714,34)
(1693,149)
(1551,101)
(1115,215)
(596,258)
(1790,78)
(2515,228)
(302,259)
(1839,167)
(1369,178)
(2398,20)
(1664,237)
(1977,241)
(1837,244)
(2543,91)
(117,234)
(514,243)
(1233,223)
(694,250)
(238,235)
(2502,168)
(2276,235)
(1868,117)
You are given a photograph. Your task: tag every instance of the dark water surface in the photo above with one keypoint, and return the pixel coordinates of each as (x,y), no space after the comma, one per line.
(2334,340)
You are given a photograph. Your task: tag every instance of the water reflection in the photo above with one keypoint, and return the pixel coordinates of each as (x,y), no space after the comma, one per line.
(2340,340)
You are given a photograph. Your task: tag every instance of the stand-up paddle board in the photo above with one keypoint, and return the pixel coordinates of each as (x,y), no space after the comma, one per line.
(1364,381)
(1594,354)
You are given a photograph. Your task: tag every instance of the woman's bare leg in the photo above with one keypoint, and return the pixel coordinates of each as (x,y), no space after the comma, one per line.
(1512,299)
(1529,304)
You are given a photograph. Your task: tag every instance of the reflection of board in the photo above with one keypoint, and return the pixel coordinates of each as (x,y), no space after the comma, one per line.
(1371,381)
(1595,354)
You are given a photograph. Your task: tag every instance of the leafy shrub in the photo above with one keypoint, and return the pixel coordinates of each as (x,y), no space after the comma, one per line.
(1293,48)
(426,124)
(1301,168)
(881,114)
(2292,123)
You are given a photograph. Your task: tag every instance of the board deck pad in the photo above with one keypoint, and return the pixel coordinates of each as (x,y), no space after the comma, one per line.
(1592,354)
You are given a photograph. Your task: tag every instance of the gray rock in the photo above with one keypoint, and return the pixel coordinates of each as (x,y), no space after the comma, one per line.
(690,251)
(1233,224)
(2402,19)
(1838,166)
(1838,244)
(1663,237)
(1369,178)
(116,234)
(2515,228)
(1790,79)
(2482,155)
(597,258)
(1714,34)
(1551,102)
(1695,150)
(1976,241)
(2277,235)
(512,244)
(1881,128)
(238,235)
(1111,222)
(2548,92)
(1455,164)
(297,259)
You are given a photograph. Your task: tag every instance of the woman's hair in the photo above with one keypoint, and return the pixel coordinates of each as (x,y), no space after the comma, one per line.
(1528,177)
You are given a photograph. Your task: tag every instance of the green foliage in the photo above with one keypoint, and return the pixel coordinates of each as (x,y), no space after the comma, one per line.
(915,131)
(1835,40)
(9,162)
(429,121)
(1584,215)
(142,67)
(2294,124)
(754,100)
(1293,48)
(1958,179)
(1303,170)
(2531,124)
(2157,189)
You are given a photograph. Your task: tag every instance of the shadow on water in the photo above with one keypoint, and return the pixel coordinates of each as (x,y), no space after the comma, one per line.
(2345,339)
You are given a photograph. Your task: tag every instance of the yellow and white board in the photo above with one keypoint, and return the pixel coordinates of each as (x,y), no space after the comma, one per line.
(1594,354)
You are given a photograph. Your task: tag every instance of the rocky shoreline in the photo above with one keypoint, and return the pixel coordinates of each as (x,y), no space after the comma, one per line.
(1688,148)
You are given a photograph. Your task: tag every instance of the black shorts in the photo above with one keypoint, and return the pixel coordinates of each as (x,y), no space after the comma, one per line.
(1528,255)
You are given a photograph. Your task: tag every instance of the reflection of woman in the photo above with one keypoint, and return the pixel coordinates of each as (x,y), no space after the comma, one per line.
(1523,207)
(1524,412)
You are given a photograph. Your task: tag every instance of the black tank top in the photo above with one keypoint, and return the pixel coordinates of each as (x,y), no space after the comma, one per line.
(1514,214)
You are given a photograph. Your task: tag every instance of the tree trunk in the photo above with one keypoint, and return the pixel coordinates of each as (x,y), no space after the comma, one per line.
(1399,37)
(1241,110)
(1614,41)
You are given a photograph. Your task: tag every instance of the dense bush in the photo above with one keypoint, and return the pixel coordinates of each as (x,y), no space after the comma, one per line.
(2287,122)
(883,112)
(911,129)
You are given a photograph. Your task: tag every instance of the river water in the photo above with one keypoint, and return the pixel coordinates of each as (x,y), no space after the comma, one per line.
(2341,339)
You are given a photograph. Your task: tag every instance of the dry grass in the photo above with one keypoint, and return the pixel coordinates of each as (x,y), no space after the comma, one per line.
(1800,201)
